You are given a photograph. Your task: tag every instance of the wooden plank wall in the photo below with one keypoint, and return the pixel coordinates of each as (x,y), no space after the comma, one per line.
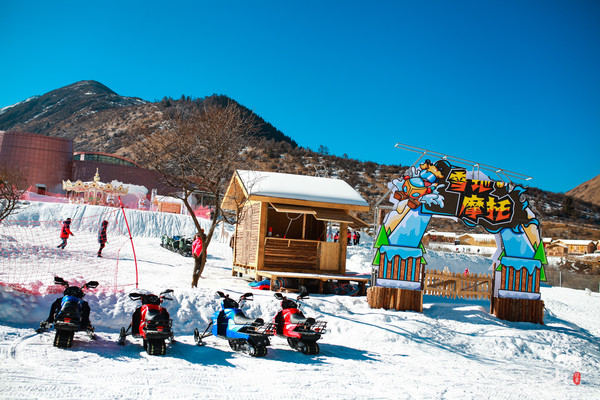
(246,241)
(403,270)
(519,310)
(329,257)
(290,255)
(395,299)
(520,280)
(457,285)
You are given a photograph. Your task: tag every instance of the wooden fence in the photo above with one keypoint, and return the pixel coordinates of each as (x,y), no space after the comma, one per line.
(458,285)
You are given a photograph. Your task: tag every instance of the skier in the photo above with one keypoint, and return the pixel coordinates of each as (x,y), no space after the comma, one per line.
(336,237)
(65,231)
(102,236)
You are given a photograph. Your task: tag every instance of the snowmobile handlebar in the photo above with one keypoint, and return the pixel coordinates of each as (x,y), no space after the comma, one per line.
(163,294)
(301,296)
(148,298)
(228,302)
(89,285)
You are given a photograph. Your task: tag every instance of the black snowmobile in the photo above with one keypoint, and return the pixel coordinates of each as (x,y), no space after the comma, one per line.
(69,314)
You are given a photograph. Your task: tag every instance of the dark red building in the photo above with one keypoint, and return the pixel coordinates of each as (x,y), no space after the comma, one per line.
(47,161)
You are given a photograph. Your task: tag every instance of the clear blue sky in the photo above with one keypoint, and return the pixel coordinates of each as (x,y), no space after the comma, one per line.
(513,84)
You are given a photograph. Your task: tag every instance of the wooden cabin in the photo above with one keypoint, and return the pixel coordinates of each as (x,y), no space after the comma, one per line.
(478,239)
(285,221)
(578,247)
(557,249)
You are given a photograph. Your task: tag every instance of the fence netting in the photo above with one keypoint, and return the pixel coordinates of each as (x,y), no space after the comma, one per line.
(30,256)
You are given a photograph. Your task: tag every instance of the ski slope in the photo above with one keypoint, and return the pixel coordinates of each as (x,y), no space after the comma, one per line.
(454,350)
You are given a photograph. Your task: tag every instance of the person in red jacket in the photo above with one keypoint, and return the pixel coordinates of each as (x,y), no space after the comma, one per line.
(65,231)
(102,236)
(197,246)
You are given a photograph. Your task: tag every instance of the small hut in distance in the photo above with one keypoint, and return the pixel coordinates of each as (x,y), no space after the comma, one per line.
(284,221)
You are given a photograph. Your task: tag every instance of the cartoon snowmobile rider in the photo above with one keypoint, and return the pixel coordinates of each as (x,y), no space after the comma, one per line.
(417,186)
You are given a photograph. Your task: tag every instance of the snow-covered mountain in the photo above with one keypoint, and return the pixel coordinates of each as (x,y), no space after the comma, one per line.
(453,350)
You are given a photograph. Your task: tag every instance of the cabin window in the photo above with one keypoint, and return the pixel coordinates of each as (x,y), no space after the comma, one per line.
(291,225)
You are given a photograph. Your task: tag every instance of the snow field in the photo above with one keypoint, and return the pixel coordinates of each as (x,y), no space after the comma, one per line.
(453,350)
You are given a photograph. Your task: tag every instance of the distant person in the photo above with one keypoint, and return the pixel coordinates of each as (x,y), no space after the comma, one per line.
(65,231)
(349,237)
(356,237)
(336,237)
(102,237)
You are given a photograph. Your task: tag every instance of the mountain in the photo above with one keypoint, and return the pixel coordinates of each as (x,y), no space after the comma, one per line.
(588,191)
(39,114)
(98,119)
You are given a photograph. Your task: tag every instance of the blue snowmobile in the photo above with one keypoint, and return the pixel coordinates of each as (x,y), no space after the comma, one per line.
(69,314)
(244,334)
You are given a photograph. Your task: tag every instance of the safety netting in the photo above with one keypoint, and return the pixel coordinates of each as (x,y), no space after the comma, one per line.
(30,256)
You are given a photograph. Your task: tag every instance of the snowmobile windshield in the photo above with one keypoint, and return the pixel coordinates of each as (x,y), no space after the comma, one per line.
(74,291)
(151,299)
(230,303)
(288,304)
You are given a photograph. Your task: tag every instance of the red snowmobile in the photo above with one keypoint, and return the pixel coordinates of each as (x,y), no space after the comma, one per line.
(302,333)
(151,322)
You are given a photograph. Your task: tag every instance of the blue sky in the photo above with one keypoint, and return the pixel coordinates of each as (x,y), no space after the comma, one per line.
(512,84)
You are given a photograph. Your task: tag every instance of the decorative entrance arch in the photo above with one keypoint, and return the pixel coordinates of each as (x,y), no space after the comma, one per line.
(443,190)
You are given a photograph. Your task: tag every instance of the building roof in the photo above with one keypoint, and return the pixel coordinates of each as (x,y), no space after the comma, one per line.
(557,244)
(274,185)
(574,242)
(480,236)
(444,234)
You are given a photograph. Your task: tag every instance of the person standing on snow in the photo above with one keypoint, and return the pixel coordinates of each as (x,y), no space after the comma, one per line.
(65,231)
(102,236)
(197,252)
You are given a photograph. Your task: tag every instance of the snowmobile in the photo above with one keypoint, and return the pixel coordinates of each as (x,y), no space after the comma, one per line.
(244,334)
(151,322)
(69,314)
(302,333)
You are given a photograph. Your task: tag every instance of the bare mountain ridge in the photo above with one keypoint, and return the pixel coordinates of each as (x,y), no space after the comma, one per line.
(98,119)
(588,191)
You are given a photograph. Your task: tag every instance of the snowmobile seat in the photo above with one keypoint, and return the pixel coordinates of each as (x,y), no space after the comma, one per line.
(156,315)
(241,319)
(299,318)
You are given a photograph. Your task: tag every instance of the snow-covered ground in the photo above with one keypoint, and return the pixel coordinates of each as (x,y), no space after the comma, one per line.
(454,350)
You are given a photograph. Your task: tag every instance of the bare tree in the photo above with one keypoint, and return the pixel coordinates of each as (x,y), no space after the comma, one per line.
(197,148)
(11,189)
